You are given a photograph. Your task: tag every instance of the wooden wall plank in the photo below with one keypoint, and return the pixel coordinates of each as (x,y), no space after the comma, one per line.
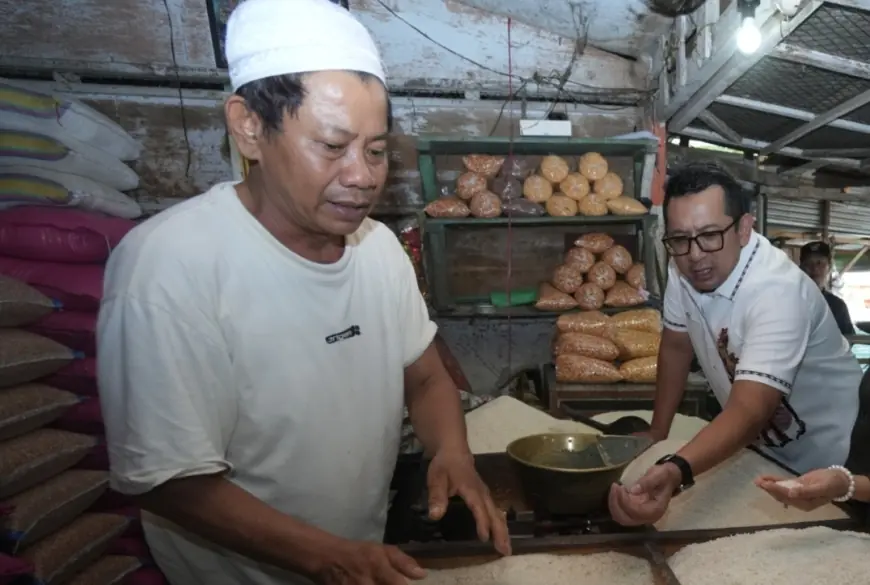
(122,36)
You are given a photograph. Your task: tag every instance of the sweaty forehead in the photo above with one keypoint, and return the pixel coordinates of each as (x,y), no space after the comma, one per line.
(698,211)
(345,103)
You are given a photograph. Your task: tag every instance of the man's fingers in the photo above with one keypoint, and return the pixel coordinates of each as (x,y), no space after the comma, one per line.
(404,564)
(474,501)
(498,525)
(615,501)
(437,486)
(651,481)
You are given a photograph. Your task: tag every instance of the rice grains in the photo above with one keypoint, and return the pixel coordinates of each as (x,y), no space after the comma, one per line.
(725,496)
(809,556)
(109,570)
(31,406)
(26,356)
(607,568)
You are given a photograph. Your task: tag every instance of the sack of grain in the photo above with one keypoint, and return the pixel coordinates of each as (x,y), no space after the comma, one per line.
(592,206)
(609,186)
(22,150)
(484,164)
(639,319)
(25,356)
(575,186)
(44,509)
(593,166)
(580,258)
(33,458)
(84,417)
(508,188)
(560,205)
(68,236)
(636,276)
(66,120)
(447,207)
(618,258)
(626,206)
(554,168)
(31,406)
(78,377)
(597,243)
(635,344)
(485,204)
(21,304)
(551,299)
(470,184)
(519,166)
(109,570)
(538,189)
(589,297)
(567,278)
(73,548)
(586,345)
(601,275)
(591,322)
(623,295)
(73,329)
(579,369)
(78,287)
(522,208)
(13,570)
(640,370)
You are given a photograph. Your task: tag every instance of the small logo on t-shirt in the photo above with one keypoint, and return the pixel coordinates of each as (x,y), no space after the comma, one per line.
(352,331)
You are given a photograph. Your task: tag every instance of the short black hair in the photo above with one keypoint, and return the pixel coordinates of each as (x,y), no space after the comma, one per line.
(695,177)
(271,97)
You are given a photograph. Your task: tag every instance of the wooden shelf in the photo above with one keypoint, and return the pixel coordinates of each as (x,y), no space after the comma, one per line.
(533,145)
(538,221)
(484,310)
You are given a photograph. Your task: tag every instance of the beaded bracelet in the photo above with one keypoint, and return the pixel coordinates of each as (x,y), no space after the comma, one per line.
(851,491)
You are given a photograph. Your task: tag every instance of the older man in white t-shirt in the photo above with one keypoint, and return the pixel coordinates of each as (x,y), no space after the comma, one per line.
(258,342)
(764,337)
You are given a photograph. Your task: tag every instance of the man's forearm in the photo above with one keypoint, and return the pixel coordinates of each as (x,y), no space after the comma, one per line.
(672,373)
(729,432)
(862,488)
(221,512)
(436,414)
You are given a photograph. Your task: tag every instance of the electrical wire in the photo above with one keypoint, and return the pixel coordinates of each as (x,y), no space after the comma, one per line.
(180,90)
(510,263)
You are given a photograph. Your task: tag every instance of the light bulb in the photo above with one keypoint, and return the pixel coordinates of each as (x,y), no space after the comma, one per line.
(748,37)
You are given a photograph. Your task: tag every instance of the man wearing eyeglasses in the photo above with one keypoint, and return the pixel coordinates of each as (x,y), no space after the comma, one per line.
(766,341)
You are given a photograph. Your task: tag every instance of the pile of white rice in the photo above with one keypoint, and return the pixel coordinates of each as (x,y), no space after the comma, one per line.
(725,496)
(547,569)
(810,556)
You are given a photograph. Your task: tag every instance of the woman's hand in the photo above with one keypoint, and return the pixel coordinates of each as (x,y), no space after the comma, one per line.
(809,491)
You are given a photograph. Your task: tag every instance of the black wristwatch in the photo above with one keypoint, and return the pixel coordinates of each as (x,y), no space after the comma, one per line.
(687,478)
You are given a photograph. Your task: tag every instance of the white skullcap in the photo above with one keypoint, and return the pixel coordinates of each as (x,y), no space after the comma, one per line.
(266,38)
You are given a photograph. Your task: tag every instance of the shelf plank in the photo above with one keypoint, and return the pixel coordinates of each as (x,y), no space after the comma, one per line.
(538,221)
(533,145)
(467,311)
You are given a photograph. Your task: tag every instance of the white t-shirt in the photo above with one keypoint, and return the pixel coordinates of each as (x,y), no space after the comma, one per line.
(769,323)
(223,351)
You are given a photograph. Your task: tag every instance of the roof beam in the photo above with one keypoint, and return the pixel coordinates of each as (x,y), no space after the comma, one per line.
(777,110)
(727,64)
(837,152)
(857,4)
(720,127)
(804,56)
(806,169)
(819,121)
(751,144)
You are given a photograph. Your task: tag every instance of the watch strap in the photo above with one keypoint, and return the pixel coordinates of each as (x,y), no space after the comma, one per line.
(687,478)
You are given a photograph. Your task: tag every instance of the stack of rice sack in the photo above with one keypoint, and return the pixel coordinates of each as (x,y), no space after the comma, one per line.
(493,186)
(62,254)
(596,273)
(58,152)
(591,347)
(47,533)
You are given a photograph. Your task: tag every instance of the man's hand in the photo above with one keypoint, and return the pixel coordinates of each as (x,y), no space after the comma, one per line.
(452,473)
(368,563)
(811,490)
(646,501)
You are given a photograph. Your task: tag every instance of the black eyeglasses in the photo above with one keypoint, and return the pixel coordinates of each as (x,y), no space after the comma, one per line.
(708,241)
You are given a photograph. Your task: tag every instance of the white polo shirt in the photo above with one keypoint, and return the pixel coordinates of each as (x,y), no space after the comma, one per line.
(769,323)
(221,351)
